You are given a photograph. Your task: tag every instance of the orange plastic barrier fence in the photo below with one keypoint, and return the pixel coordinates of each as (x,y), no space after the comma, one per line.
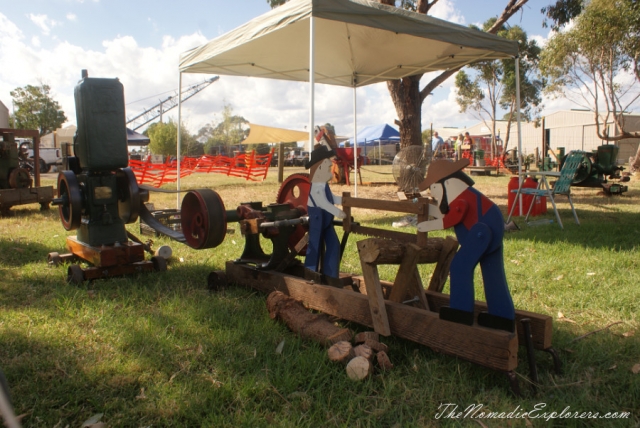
(249,166)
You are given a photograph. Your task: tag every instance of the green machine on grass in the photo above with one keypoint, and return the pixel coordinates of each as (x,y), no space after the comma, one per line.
(99,194)
(599,169)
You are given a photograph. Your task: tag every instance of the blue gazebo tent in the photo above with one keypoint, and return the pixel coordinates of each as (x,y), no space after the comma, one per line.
(377,134)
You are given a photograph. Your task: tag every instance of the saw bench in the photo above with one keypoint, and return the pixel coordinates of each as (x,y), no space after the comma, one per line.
(402,308)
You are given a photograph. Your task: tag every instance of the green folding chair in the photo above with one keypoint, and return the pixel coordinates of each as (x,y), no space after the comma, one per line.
(561,187)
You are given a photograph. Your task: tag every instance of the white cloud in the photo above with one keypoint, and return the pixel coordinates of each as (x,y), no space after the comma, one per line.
(35,41)
(72,17)
(446,10)
(43,22)
(152,73)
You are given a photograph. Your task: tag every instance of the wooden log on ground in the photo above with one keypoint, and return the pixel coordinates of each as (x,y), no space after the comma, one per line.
(363,351)
(376,346)
(359,368)
(383,361)
(341,352)
(299,320)
(366,335)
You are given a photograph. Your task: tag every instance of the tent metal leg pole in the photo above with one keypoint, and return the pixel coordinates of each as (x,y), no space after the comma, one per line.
(521,178)
(311,82)
(355,142)
(179,141)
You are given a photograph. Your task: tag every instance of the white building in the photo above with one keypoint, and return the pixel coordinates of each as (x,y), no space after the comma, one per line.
(4,116)
(570,129)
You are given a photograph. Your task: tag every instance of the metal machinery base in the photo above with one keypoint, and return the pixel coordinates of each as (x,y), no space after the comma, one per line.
(108,261)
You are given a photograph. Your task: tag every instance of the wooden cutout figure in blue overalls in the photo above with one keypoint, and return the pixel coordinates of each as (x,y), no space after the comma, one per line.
(479,227)
(321,210)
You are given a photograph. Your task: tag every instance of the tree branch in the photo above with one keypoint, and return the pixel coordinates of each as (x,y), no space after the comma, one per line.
(512,7)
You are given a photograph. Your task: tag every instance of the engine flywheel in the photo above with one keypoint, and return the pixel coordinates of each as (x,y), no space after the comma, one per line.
(203,219)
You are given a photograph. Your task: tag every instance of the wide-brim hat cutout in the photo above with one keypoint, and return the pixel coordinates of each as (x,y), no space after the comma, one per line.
(441,169)
(319,154)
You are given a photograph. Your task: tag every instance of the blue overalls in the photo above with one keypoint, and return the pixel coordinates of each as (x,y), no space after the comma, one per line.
(482,243)
(321,231)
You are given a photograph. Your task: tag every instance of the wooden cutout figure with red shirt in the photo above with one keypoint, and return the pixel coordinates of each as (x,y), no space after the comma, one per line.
(479,227)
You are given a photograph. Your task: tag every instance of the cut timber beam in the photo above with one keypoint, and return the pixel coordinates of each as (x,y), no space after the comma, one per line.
(541,325)
(494,349)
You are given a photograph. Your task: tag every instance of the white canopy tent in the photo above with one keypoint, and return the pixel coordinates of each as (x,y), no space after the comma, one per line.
(342,42)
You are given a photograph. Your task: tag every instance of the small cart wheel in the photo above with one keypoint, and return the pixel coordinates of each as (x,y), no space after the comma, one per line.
(159,264)
(54,259)
(75,275)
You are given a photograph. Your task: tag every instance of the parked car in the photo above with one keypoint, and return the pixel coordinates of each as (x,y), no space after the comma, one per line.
(48,156)
(296,157)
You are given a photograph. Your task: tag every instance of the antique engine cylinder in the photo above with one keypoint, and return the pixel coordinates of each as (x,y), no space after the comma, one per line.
(100,194)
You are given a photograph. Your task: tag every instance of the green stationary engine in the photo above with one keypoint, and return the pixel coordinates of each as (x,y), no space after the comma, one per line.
(99,194)
(599,169)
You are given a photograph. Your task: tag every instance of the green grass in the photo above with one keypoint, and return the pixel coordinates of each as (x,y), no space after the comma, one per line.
(159,349)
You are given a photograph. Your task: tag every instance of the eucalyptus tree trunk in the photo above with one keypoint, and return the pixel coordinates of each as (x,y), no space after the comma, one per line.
(406,94)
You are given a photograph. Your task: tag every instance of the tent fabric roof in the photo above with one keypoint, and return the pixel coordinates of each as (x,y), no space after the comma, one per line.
(357,43)
(267,134)
(382,132)
(136,139)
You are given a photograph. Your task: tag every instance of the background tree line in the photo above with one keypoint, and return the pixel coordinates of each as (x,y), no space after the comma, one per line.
(586,63)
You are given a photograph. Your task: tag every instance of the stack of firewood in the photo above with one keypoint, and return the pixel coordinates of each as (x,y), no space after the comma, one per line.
(319,327)
(359,358)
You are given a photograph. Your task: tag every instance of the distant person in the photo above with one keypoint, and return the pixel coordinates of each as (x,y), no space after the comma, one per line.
(437,145)
(458,147)
(468,140)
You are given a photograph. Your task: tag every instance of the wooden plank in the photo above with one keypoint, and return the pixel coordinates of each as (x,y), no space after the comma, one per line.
(441,272)
(374,291)
(383,233)
(126,253)
(29,195)
(409,207)
(405,278)
(346,222)
(541,325)
(494,349)
(120,270)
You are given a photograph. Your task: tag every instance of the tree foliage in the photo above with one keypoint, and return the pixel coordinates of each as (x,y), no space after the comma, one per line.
(164,140)
(562,12)
(230,131)
(593,63)
(35,109)
(490,86)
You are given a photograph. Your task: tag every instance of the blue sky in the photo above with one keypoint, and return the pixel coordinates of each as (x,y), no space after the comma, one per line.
(51,41)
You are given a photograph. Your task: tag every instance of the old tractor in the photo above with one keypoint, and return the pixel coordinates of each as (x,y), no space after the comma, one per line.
(16,184)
